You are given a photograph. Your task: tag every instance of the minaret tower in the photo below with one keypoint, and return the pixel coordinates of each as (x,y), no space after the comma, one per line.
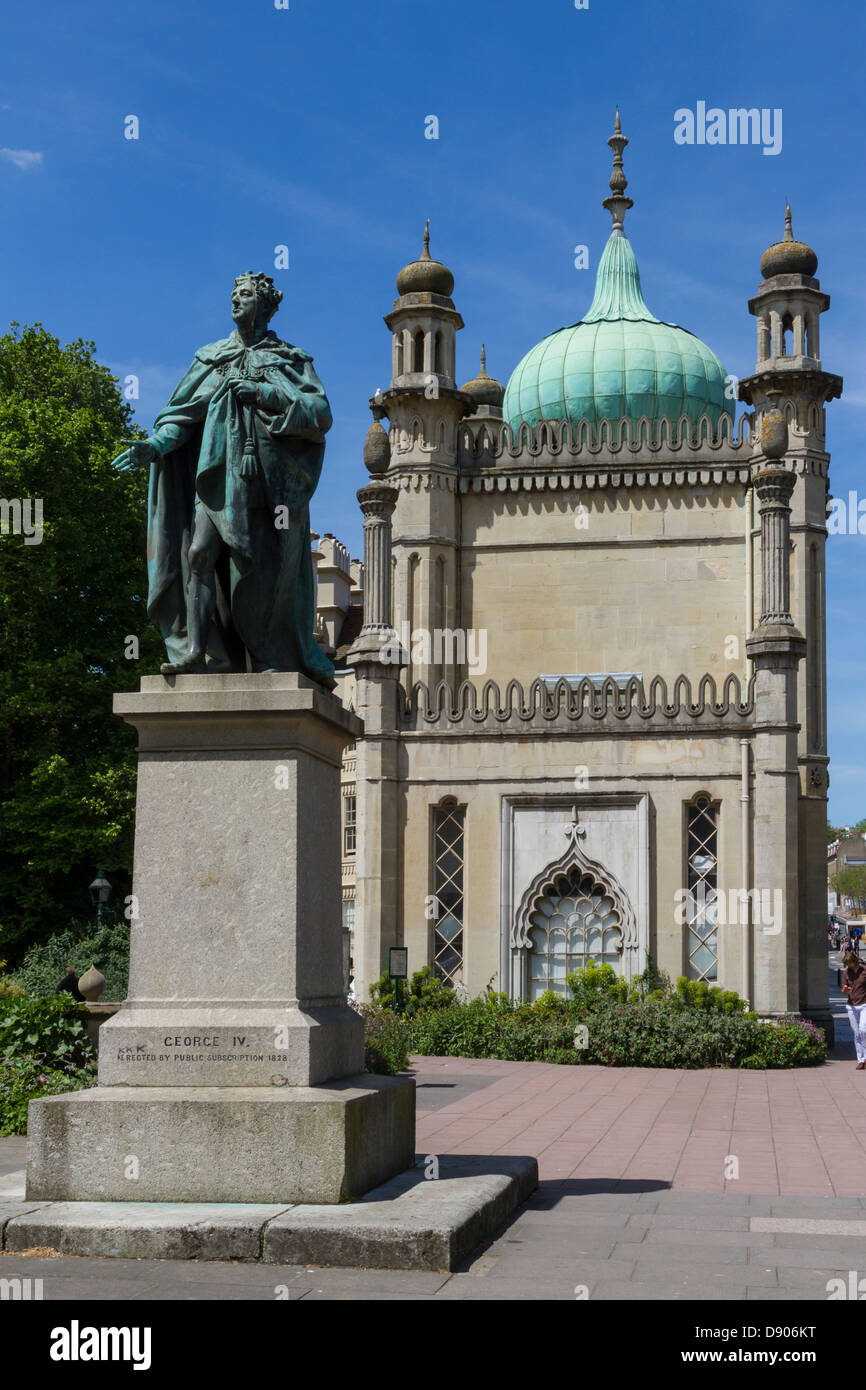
(789,390)
(424,408)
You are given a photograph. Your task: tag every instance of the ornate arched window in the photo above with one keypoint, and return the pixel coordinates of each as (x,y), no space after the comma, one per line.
(418,363)
(702,878)
(448,860)
(575,920)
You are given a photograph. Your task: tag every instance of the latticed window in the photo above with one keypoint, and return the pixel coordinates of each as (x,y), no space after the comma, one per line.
(448,823)
(702,951)
(349,824)
(577,920)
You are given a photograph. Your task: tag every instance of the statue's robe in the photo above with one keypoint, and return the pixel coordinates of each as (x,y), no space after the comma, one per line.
(258,502)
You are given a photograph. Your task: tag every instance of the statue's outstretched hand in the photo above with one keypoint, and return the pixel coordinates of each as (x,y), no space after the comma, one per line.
(137,454)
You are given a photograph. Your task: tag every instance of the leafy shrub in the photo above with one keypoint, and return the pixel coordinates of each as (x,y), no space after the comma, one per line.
(9,989)
(649,1032)
(385,1049)
(27,1078)
(595,984)
(697,994)
(53,1030)
(81,946)
(424,991)
(498,1027)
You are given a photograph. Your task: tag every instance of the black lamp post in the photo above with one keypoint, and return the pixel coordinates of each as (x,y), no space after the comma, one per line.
(100,894)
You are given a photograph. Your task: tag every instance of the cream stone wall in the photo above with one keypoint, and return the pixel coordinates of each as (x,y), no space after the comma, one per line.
(655,582)
(481,772)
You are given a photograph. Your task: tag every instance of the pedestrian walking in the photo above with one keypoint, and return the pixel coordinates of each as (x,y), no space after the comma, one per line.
(854,986)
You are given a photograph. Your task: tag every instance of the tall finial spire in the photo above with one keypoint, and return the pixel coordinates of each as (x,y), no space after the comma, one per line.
(789,232)
(483,371)
(426,253)
(618,203)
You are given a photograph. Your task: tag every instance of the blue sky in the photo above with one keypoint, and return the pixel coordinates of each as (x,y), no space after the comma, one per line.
(305,127)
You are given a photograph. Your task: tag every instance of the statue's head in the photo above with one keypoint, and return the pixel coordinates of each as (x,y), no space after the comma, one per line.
(254,297)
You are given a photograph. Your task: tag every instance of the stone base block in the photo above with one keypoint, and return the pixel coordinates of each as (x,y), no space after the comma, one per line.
(410,1222)
(322,1144)
(143,1230)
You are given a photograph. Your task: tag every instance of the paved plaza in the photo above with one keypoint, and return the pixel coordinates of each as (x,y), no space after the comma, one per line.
(635,1199)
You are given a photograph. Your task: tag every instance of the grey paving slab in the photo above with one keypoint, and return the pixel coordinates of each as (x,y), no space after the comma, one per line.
(553,1249)
(607,1289)
(706,1239)
(78,1267)
(669,1271)
(361,1296)
(532,1220)
(436,1090)
(815,1279)
(788,1294)
(463,1288)
(681,1252)
(582,1269)
(13,1156)
(238,1292)
(383,1281)
(673,1221)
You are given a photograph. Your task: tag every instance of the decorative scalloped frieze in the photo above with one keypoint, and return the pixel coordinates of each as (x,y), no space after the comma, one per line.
(587,701)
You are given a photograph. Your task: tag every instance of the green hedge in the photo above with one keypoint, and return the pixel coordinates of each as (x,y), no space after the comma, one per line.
(604,1021)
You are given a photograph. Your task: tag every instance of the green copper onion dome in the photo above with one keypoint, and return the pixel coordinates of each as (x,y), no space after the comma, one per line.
(619,361)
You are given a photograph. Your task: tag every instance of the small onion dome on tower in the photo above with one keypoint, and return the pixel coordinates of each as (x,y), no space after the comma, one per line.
(788,257)
(377,449)
(484,389)
(425,276)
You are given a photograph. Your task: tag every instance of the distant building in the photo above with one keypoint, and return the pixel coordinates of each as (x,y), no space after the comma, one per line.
(848,852)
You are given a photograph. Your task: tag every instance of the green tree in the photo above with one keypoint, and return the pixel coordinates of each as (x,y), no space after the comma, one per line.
(851,883)
(67,607)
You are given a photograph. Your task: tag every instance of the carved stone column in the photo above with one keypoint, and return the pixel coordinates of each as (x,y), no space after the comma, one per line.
(376,657)
(774,485)
(378,501)
(776,648)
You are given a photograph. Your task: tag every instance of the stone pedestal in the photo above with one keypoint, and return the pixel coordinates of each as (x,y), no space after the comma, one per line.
(212,1072)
